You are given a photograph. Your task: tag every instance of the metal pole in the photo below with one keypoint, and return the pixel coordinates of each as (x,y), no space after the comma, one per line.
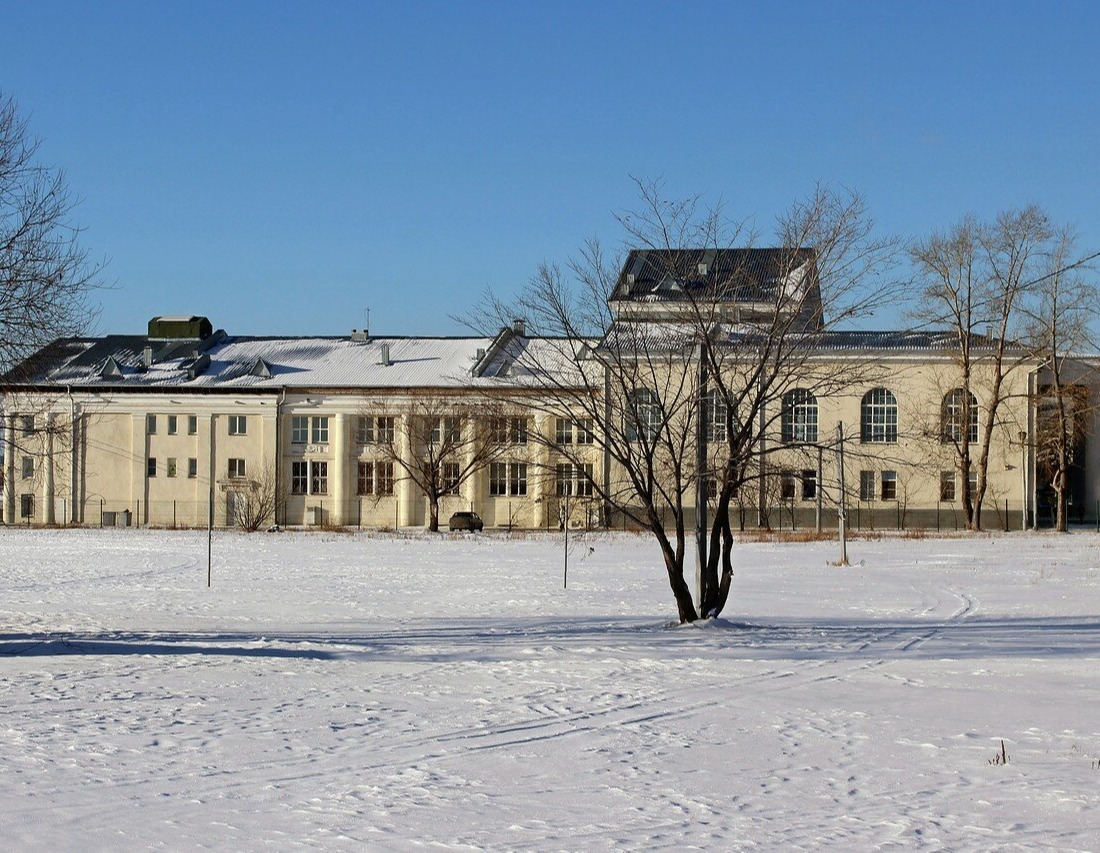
(210,534)
(817,518)
(700,479)
(565,579)
(841,509)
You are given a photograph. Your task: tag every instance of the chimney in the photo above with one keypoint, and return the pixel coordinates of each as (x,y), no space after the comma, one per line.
(358,337)
(480,353)
(702,268)
(147,357)
(519,327)
(386,355)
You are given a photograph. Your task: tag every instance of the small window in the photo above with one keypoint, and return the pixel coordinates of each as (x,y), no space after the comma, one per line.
(173,423)
(947,485)
(170,470)
(299,478)
(517,477)
(192,424)
(151,424)
(236,469)
(452,472)
(889,485)
(563,434)
(299,430)
(27,424)
(386,430)
(26,506)
(238,424)
(27,467)
(192,468)
(786,485)
(715,411)
(498,479)
(151,466)
(866,485)
(584,431)
(319,434)
(809,485)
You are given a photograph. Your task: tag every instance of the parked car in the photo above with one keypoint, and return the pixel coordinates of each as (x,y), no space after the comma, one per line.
(466,521)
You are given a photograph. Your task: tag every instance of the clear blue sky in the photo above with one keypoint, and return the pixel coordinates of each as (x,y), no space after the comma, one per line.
(280,167)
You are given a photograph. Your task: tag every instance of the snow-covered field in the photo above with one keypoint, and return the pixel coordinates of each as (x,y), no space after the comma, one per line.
(356,691)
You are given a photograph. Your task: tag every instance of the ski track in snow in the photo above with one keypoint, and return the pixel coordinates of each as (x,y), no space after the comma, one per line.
(340,691)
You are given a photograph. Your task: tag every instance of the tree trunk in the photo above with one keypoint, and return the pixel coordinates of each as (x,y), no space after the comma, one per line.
(433,515)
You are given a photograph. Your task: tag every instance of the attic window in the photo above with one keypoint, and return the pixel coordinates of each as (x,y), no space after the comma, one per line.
(110,369)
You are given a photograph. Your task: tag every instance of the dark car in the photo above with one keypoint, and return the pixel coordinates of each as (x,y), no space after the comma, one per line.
(466,521)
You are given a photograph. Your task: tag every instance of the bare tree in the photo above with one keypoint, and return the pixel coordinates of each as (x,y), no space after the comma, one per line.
(254,501)
(447,444)
(691,348)
(976,280)
(1060,323)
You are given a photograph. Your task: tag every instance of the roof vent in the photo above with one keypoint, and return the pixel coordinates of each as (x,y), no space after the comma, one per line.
(630,278)
(386,355)
(359,337)
(519,327)
(147,357)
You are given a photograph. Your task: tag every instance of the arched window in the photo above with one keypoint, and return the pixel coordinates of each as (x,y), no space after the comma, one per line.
(798,420)
(958,419)
(644,416)
(878,417)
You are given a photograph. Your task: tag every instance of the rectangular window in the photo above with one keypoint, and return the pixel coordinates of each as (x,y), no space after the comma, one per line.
(386,430)
(451,474)
(574,480)
(563,433)
(889,485)
(27,424)
(26,506)
(299,478)
(318,478)
(508,430)
(973,484)
(498,479)
(27,466)
(192,469)
(584,431)
(171,469)
(385,478)
(947,485)
(173,424)
(786,485)
(448,430)
(517,478)
(714,417)
(150,424)
(299,430)
(238,424)
(319,434)
(192,424)
(809,485)
(365,479)
(866,485)
(364,432)
(151,466)
(564,485)
(236,469)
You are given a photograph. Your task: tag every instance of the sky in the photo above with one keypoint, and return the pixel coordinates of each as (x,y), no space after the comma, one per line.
(284,168)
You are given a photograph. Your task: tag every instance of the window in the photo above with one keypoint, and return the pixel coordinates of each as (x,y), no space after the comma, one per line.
(150,424)
(386,430)
(318,477)
(809,485)
(956,418)
(866,485)
(714,416)
(798,417)
(574,480)
(26,424)
(173,424)
(584,431)
(238,425)
(236,469)
(319,433)
(171,467)
(27,467)
(947,485)
(452,472)
(299,478)
(299,430)
(445,430)
(26,506)
(878,417)
(192,468)
(365,479)
(508,430)
(973,478)
(385,478)
(786,485)
(507,479)
(364,432)
(563,433)
(564,480)
(517,478)
(644,416)
(151,466)
(192,424)
(889,485)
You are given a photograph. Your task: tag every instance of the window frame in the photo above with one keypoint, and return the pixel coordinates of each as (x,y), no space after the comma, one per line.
(238,424)
(799,417)
(952,415)
(878,417)
(236,468)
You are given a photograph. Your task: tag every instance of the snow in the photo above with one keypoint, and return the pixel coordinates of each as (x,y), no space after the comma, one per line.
(351,690)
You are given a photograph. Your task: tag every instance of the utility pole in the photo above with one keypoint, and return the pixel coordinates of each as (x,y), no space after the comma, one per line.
(700,478)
